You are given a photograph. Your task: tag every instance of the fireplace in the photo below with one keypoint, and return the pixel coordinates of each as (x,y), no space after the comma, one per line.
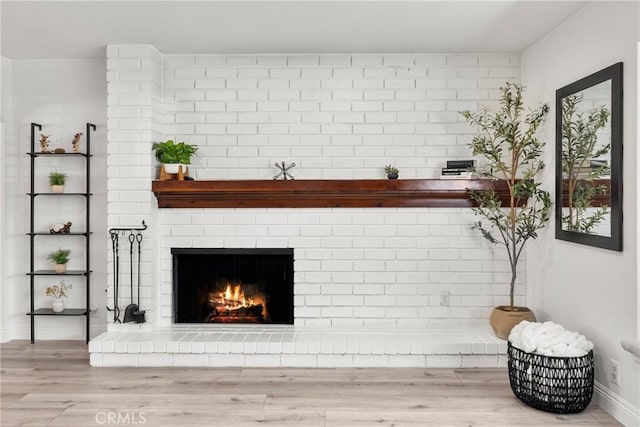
(215,285)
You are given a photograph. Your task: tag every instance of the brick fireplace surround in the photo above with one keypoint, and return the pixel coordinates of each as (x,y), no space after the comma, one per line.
(388,286)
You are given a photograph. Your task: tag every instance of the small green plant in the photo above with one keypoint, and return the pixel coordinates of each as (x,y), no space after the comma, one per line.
(390,170)
(513,153)
(171,152)
(57,178)
(58,291)
(59,256)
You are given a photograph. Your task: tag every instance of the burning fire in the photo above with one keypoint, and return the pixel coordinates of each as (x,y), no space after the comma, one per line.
(234,297)
(232,302)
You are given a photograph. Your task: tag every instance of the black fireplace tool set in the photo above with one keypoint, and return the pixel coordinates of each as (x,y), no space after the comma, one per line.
(132,312)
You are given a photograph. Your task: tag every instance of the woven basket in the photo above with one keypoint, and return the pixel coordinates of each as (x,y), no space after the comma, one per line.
(562,385)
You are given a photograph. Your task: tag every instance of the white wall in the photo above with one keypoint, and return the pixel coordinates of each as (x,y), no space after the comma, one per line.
(584,288)
(5,133)
(61,95)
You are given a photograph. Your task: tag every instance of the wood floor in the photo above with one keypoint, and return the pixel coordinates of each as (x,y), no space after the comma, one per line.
(52,384)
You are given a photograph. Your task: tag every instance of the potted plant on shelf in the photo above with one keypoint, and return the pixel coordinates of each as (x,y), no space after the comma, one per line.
(391,171)
(60,258)
(57,292)
(174,155)
(56,181)
(513,153)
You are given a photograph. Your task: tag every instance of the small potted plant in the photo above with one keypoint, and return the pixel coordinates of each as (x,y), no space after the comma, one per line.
(57,292)
(173,155)
(56,181)
(392,172)
(60,258)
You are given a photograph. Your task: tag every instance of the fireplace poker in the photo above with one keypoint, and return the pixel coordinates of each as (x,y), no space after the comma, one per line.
(116,274)
(139,315)
(132,307)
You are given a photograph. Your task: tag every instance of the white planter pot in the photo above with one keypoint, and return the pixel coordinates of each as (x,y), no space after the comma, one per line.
(60,268)
(58,305)
(57,188)
(173,168)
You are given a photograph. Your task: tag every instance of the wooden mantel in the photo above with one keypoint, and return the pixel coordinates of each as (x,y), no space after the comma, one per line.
(322,193)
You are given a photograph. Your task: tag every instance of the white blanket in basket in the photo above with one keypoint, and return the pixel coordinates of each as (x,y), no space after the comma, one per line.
(549,339)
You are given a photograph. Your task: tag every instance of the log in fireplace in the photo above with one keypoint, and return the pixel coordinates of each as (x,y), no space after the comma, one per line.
(218,285)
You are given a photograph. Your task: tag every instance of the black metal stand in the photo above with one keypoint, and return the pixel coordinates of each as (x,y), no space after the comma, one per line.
(85,311)
(114,233)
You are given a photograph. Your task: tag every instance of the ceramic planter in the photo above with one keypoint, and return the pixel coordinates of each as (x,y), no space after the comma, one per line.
(173,168)
(504,318)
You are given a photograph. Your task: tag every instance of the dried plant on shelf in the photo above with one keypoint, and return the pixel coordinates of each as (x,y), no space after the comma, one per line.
(58,291)
(44,143)
(75,142)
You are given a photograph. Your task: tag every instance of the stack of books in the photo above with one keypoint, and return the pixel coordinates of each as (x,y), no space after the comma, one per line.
(459,169)
(591,169)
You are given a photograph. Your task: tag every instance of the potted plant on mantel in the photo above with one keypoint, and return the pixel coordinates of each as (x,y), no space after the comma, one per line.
(391,171)
(513,153)
(174,156)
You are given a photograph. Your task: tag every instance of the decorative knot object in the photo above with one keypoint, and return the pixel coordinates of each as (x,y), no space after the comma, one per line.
(284,171)
(61,228)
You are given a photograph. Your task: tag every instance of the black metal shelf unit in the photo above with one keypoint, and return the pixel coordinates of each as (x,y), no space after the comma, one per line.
(33,273)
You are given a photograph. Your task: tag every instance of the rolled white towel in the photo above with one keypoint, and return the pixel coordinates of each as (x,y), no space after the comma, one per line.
(575,352)
(528,344)
(542,342)
(582,344)
(544,351)
(549,339)
(559,349)
(517,330)
(563,337)
(549,327)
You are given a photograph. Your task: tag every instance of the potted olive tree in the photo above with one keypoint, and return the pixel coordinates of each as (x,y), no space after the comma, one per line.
(508,143)
(173,155)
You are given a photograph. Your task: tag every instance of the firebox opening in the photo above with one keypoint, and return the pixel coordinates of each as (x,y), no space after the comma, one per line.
(233,285)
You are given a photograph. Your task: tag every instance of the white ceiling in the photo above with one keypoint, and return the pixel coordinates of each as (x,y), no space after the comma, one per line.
(75,29)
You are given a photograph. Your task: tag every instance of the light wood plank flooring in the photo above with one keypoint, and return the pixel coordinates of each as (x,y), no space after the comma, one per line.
(52,384)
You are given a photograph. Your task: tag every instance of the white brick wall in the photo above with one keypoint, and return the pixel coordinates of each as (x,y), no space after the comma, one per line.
(336,117)
(134,86)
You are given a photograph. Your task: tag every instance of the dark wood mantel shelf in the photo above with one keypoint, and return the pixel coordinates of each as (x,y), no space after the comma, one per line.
(322,193)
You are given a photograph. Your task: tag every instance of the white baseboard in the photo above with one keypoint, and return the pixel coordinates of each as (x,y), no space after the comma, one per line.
(616,406)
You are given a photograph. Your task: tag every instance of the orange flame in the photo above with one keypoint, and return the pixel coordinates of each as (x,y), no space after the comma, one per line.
(233,298)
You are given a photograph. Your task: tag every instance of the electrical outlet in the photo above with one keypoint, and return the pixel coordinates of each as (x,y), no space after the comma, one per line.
(615,372)
(444,298)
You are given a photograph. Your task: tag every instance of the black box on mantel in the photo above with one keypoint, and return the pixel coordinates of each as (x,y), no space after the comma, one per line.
(461,164)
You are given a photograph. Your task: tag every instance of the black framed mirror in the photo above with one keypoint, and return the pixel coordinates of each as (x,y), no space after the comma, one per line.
(589,160)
